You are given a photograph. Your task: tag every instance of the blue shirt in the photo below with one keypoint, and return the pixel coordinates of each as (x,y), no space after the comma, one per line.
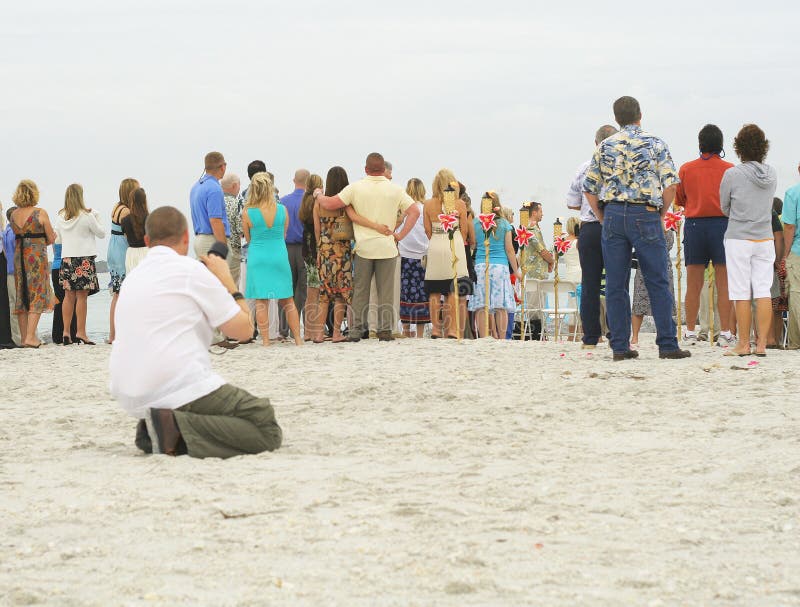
(294,235)
(791,214)
(9,244)
(207,202)
(56,257)
(497,243)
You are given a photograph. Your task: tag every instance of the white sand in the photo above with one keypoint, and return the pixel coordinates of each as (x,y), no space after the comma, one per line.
(406,478)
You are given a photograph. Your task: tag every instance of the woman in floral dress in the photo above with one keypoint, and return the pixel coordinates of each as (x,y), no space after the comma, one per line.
(34,232)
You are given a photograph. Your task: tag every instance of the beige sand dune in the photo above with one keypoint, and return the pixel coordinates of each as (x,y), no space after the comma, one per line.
(414,473)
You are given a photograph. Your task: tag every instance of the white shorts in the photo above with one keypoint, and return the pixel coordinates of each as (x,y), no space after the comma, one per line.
(749,268)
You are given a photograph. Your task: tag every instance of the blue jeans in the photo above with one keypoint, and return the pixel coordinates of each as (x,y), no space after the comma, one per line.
(590,253)
(626,227)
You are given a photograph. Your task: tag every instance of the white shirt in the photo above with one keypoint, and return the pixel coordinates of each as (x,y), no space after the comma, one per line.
(167,309)
(415,244)
(575,197)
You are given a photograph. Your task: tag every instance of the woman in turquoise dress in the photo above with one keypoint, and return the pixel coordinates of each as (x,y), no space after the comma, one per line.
(269,275)
(118,245)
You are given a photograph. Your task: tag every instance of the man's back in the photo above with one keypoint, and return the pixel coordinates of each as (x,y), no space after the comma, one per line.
(698,191)
(207,201)
(164,319)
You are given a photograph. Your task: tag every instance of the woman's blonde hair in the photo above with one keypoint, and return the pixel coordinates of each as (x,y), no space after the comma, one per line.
(73,202)
(572,226)
(261,191)
(416,189)
(26,194)
(442,180)
(126,190)
(306,212)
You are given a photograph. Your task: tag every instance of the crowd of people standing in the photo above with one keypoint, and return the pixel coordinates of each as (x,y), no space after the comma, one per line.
(345,261)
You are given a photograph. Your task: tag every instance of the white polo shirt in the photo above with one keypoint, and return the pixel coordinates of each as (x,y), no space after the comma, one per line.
(575,196)
(379,200)
(167,309)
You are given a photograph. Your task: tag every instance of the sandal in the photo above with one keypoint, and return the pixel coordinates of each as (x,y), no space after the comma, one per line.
(732,353)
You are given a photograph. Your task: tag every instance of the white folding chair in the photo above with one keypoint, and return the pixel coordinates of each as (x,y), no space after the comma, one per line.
(529,308)
(567,305)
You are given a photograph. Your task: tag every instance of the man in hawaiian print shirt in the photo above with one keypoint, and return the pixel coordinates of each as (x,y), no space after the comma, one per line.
(539,259)
(630,184)
(233,206)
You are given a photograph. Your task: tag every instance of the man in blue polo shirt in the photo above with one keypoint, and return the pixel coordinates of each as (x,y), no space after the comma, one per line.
(207,204)
(294,245)
(791,258)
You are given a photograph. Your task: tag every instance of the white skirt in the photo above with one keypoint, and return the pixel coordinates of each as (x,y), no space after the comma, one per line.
(133,256)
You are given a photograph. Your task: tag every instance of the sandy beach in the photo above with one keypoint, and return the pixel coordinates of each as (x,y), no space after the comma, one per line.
(414,473)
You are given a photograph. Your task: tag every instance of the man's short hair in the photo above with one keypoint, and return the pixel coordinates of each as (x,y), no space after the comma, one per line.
(214,160)
(710,139)
(165,225)
(301,176)
(604,132)
(229,180)
(627,111)
(376,163)
(255,167)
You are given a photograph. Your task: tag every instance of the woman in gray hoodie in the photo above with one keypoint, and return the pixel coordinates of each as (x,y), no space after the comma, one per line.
(746,194)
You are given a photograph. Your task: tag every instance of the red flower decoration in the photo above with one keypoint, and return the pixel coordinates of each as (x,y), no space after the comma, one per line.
(487,221)
(85,264)
(672,221)
(524,236)
(562,244)
(448,221)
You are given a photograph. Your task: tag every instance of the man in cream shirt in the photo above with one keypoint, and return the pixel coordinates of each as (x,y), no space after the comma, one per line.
(378,200)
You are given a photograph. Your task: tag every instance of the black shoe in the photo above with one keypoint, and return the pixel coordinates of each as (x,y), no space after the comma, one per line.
(618,356)
(142,439)
(675,354)
(66,340)
(353,340)
(365,334)
(168,435)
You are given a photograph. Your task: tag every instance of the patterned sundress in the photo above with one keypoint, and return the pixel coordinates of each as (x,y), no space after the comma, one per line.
(31,272)
(335,265)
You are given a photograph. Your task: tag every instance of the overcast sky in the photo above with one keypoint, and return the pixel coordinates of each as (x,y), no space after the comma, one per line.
(507,94)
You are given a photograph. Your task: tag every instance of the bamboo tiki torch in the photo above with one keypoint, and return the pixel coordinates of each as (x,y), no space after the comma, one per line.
(680,275)
(486,208)
(557,231)
(450,207)
(524,220)
(711,285)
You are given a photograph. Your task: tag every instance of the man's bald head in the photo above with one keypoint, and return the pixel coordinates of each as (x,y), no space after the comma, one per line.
(376,165)
(165,226)
(604,132)
(301,178)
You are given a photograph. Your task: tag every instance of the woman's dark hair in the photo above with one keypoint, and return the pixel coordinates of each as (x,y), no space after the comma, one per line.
(777,205)
(138,213)
(710,139)
(335,181)
(751,144)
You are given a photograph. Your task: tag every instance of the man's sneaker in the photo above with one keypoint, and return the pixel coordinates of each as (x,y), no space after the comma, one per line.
(675,354)
(690,339)
(618,356)
(726,342)
(588,346)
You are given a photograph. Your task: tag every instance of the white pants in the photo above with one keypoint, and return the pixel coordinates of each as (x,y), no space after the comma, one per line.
(749,268)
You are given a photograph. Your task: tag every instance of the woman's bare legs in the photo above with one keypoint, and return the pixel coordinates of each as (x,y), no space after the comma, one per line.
(314,321)
(339,308)
(80,309)
(501,321)
(744,319)
(763,322)
(292,317)
(262,320)
(436,306)
(32,323)
(22,321)
(420,330)
(111,332)
(636,325)
(67,309)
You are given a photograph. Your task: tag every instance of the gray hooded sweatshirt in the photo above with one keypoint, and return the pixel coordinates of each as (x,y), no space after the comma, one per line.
(745,195)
